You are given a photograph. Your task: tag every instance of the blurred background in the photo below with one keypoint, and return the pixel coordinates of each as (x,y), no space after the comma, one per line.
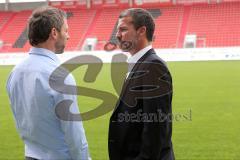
(199,39)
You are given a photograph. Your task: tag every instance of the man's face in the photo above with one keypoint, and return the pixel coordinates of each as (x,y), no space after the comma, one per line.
(63,36)
(127,35)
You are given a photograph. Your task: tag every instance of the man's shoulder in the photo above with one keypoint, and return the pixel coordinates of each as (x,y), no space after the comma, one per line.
(152,57)
(33,68)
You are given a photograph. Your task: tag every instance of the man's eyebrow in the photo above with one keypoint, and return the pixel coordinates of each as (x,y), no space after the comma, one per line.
(120,27)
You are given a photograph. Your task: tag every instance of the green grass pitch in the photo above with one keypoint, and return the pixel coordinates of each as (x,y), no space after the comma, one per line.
(210,91)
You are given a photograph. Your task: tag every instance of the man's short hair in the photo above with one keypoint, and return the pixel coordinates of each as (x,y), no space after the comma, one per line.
(41,23)
(141,17)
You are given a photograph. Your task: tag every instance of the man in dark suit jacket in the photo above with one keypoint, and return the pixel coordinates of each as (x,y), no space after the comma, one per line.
(141,125)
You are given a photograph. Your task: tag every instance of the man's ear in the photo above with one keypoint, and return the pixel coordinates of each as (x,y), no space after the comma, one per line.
(54,33)
(142,30)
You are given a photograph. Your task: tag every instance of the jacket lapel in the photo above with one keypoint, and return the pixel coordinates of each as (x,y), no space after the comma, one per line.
(131,74)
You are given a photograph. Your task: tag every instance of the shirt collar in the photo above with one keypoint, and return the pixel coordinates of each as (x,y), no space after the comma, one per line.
(139,54)
(44,52)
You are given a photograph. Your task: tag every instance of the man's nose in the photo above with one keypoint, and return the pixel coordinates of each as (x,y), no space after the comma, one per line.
(68,36)
(118,35)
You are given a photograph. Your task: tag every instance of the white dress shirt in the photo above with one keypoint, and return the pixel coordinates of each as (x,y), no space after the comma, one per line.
(134,59)
(33,104)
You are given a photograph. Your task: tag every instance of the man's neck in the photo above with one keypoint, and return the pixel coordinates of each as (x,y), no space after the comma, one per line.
(140,48)
(45,46)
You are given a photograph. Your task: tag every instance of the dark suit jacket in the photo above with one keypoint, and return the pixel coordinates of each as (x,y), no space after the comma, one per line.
(140,126)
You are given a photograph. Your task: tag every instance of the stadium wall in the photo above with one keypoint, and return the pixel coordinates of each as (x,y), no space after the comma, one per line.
(195,54)
(21,6)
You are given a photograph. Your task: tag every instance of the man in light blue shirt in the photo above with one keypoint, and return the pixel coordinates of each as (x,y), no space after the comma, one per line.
(33,101)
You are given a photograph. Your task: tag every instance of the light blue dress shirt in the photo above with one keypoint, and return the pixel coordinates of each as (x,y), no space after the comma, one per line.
(33,104)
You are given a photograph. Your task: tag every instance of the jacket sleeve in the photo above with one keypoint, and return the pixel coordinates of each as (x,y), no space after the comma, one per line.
(157,125)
